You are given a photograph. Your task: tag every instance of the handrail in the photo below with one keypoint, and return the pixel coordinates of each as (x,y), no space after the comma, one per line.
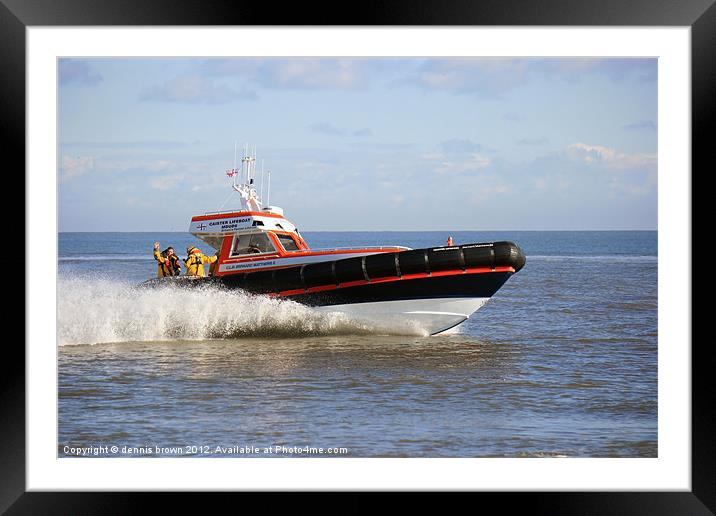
(360,248)
(225,211)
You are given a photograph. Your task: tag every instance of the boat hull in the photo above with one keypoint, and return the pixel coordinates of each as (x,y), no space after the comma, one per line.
(431,304)
(431,316)
(427,289)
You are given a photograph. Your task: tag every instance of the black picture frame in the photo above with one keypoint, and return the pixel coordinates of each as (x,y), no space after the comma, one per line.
(700,15)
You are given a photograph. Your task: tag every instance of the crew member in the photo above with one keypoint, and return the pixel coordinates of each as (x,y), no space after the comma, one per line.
(449,241)
(171,262)
(195,261)
(212,267)
(161,261)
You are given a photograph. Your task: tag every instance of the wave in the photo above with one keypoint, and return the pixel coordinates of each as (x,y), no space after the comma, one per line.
(98,310)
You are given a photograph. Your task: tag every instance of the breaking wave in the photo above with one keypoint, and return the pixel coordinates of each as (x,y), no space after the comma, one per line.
(96,310)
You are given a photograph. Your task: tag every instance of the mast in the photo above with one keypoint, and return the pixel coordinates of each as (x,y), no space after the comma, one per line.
(247,190)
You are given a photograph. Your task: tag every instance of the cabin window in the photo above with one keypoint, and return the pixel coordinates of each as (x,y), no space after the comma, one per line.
(252,244)
(288,243)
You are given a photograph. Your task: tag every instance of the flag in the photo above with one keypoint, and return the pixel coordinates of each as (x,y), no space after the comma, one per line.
(232,172)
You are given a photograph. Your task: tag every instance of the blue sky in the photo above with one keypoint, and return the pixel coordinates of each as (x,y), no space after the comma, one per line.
(362,143)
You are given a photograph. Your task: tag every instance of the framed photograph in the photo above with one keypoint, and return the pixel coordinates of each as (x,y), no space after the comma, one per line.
(353,195)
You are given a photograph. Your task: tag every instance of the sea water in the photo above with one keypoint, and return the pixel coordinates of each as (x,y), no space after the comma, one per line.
(561,362)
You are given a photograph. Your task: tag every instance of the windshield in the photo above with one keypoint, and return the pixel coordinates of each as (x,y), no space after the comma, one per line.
(288,243)
(252,244)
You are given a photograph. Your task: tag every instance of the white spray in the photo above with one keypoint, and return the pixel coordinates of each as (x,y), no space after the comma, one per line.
(94,311)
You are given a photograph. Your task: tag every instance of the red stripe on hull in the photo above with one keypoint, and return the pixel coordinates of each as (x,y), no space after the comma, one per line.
(473,270)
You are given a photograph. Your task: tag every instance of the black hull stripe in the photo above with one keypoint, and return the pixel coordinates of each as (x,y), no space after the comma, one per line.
(381,265)
(329,277)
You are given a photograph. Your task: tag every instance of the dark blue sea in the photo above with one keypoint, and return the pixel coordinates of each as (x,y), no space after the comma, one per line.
(561,362)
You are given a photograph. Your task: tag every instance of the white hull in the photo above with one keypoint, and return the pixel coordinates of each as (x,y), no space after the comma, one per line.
(422,315)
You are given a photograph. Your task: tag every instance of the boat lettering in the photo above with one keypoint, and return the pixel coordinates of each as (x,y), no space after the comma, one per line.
(235,266)
(471,246)
(227,225)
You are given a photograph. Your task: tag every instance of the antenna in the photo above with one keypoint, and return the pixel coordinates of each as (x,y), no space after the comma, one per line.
(244,161)
(262,180)
(268,193)
(253,167)
(246,185)
(254,176)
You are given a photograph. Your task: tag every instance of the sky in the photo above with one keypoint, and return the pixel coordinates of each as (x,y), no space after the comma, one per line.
(361,144)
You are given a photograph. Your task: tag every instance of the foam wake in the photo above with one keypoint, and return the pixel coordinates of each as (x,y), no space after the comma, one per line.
(95,310)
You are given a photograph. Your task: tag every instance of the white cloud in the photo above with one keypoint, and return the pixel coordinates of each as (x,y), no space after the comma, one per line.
(486,76)
(73,166)
(160,165)
(491,77)
(194,89)
(597,154)
(296,73)
(165,182)
(495,189)
(341,74)
(480,190)
(460,146)
(467,163)
(641,125)
(73,71)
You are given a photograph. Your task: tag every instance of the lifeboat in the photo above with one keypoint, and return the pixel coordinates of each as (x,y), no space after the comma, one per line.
(261,252)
